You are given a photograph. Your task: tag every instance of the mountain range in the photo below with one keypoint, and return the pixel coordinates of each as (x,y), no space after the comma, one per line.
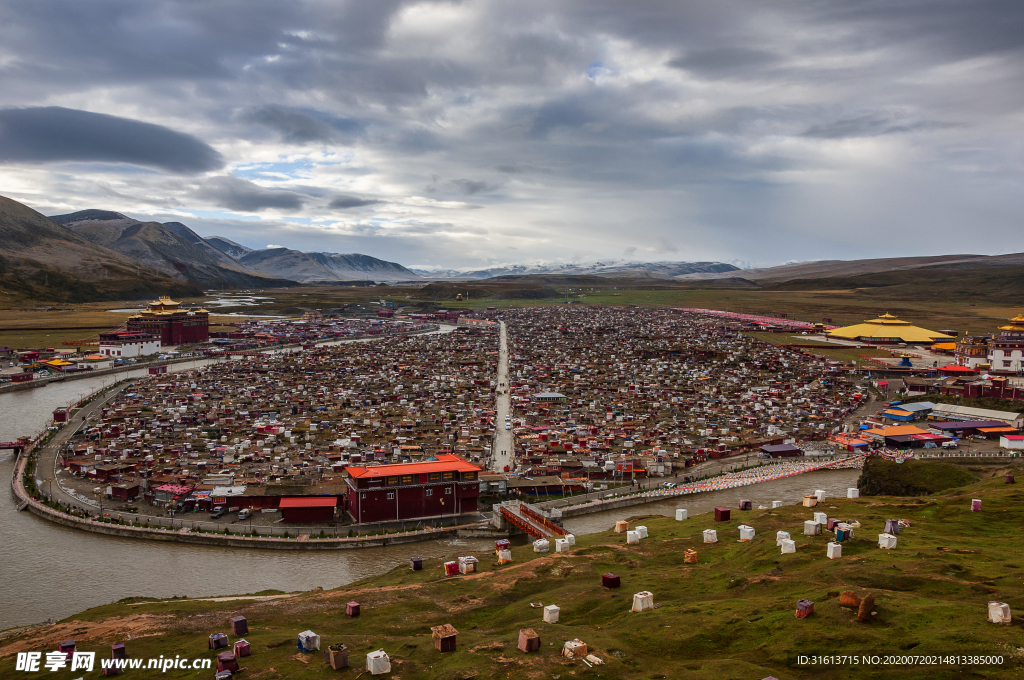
(43,259)
(103,255)
(613,268)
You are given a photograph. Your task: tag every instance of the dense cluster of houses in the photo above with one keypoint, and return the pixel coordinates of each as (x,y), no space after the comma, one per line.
(252,432)
(627,393)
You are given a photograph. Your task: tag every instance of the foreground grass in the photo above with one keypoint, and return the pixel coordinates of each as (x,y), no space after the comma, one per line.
(729,616)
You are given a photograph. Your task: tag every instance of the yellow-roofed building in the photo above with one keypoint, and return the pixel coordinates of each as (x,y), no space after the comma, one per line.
(888,329)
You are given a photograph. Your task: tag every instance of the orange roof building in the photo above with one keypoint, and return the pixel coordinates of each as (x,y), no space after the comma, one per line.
(447,486)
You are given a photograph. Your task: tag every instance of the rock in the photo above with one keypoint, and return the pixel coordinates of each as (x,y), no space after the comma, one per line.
(849,599)
(867,604)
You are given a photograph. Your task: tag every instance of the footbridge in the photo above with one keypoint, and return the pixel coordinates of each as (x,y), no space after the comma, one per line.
(530,520)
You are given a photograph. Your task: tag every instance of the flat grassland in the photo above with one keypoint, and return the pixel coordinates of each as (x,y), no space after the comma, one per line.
(843,307)
(731,615)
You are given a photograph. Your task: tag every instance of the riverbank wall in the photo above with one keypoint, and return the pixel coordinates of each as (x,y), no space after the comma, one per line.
(301,542)
(727,481)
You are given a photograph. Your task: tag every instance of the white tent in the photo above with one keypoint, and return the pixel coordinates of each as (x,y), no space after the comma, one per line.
(642,530)
(378,662)
(776,504)
(812,528)
(642,601)
(746,533)
(632,537)
(886,541)
(999,612)
(571,538)
(551,613)
(821,518)
(710,536)
(541,545)
(834,551)
(788,546)
(781,536)
(820,493)
(853,493)
(562,545)
(467,565)
(680,514)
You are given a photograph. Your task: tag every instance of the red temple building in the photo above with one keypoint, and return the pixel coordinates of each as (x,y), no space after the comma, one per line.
(173,325)
(445,487)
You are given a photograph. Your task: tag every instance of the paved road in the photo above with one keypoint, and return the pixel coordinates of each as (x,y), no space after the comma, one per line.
(502,451)
(46,468)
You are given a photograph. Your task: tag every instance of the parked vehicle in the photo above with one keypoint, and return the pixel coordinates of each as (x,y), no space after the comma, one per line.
(217,513)
(949,445)
(244,513)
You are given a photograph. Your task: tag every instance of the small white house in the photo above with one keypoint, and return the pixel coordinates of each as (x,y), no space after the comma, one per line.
(1012,441)
(129,345)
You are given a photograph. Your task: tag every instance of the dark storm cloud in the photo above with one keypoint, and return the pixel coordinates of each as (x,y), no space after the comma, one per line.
(56,134)
(235,193)
(347,202)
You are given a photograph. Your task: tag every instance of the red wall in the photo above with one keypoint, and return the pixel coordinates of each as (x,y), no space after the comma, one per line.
(412,502)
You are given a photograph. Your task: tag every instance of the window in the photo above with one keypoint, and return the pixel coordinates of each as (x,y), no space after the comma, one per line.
(363,496)
(447,489)
(392,481)
(469,476)
(391,495)
(435,476)
(406,479)
(448,476)
(430,492)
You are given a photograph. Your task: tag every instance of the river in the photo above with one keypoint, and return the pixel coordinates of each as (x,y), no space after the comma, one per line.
(52,572)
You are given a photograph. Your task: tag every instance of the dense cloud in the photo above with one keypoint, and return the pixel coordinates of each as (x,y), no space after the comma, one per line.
(53,133)
(347,202)
(242,195)
(480,132)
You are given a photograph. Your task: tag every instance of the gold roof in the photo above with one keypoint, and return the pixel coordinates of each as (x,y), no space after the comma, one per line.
(1016,324)
(163,301)
(888,326)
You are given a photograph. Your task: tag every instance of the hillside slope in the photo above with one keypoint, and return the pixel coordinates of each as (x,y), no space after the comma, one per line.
(728,615)
(46,261)
(171,248)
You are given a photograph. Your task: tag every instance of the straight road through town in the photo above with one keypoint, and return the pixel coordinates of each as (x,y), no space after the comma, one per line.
(502,448)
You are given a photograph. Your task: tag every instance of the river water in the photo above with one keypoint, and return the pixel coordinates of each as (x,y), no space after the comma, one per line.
(52,572)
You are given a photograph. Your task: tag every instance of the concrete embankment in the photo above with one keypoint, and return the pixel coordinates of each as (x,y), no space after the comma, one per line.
(728,481)
(226,540)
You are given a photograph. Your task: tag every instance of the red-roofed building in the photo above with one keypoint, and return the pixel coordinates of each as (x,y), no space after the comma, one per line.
(446,486)
(308,510)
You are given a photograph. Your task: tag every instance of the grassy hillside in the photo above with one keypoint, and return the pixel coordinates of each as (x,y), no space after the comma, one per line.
(1005,284)
(729,616)
(882,477)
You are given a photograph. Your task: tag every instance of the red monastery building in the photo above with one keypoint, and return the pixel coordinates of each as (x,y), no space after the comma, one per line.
(444,487)
(173,325)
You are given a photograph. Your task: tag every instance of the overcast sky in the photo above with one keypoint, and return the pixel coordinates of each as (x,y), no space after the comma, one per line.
(464,134)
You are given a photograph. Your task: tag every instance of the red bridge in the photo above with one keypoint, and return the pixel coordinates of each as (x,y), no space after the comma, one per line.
(528,520)
(17,446)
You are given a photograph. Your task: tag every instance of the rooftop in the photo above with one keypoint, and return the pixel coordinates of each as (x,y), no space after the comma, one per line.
(445,462)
